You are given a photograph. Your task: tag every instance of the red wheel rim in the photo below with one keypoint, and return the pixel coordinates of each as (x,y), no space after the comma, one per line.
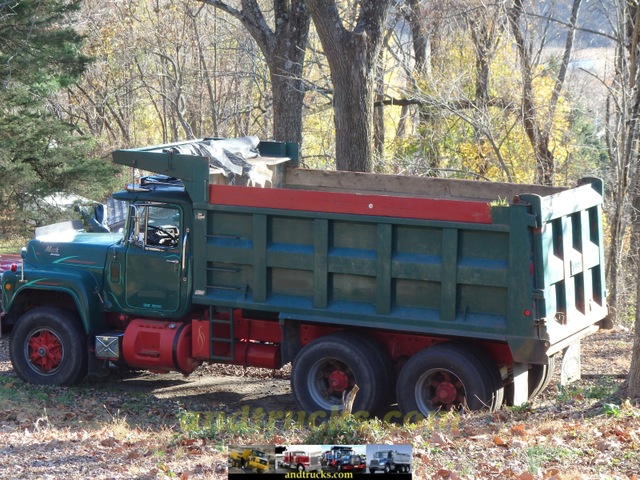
(439,390)
(328,379)
(338,381)
(44,351)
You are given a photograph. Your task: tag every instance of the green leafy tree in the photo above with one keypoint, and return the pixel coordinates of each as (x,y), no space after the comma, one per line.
(42,158)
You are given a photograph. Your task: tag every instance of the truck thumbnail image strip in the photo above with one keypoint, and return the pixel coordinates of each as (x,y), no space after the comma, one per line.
(356,459)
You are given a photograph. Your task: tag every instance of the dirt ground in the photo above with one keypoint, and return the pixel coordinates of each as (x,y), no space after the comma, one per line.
(127,426)
(607,353)
(226,387)
(230,388)
(210,387)
(81,431)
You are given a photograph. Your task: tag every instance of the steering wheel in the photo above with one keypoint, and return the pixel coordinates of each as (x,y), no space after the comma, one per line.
(163,234)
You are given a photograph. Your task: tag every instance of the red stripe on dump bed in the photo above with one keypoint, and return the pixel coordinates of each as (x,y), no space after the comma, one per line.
(351,203)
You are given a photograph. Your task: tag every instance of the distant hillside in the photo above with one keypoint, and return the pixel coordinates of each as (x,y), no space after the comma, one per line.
(595,16)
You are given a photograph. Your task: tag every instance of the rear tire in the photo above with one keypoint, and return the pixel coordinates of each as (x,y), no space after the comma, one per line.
(383,365)
(48,347)
(333,364)
(494,378)
(540,377)
(447,377)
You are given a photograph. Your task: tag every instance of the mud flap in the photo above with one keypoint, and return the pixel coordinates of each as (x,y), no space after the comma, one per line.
(571,367)
(520,383)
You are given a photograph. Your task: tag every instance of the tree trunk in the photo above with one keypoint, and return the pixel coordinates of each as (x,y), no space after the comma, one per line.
(352,56)
(538,129)
(353,116)
(288,93)
(421,42)
(633,378)
(378,113)
(286,61)
(284,50)
(634,370)
(629,47)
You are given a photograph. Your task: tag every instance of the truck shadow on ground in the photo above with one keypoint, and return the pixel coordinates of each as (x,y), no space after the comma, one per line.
(254,397)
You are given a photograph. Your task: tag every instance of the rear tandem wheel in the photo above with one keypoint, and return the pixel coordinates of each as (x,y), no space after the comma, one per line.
(330,366)
(449,377)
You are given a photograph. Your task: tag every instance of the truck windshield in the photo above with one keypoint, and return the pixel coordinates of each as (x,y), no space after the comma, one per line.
(380,455)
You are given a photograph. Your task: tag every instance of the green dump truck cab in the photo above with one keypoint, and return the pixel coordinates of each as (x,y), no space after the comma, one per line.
(430,292)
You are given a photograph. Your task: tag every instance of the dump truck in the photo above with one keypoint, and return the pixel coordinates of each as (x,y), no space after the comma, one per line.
(388,461)
(351,462)
(343,458)
(437,294)
(332,457)
(249,458)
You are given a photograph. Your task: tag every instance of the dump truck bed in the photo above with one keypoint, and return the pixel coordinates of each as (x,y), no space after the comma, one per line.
(521,264)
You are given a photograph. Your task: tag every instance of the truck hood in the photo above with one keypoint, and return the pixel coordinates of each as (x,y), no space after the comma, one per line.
(79,249)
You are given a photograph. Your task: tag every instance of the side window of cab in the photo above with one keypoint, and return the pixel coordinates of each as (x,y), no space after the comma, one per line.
(156,226)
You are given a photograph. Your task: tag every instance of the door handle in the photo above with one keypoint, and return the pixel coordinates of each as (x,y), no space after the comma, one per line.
(173,261)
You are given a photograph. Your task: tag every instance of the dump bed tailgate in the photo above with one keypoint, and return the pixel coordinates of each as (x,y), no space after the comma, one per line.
(569,286)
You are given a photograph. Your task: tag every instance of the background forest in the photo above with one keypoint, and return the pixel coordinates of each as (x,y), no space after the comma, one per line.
(527,91)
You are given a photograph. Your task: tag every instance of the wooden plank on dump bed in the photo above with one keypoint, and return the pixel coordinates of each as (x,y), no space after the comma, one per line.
(306,179)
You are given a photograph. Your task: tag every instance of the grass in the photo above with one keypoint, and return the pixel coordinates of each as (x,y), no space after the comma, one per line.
(346,430)
(579,431)
(571,432)
(544,456)
(604,389)
(223,428)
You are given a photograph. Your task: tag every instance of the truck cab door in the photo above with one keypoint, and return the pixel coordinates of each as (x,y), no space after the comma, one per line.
(153,258)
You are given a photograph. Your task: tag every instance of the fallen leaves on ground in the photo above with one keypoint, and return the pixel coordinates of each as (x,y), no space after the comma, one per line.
(85,432)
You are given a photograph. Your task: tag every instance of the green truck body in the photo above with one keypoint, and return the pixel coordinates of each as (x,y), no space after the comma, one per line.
(443,292)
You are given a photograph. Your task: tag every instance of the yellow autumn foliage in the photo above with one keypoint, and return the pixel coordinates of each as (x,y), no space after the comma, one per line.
(486,143)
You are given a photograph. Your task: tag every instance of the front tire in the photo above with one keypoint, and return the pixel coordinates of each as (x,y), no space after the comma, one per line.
(48,347)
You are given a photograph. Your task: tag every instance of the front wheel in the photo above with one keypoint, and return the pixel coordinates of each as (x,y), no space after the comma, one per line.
(48,347)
